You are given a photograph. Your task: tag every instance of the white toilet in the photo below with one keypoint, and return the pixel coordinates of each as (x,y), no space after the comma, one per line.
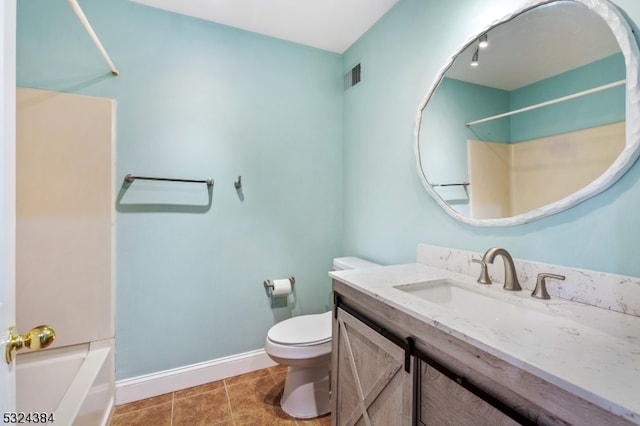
(303,344)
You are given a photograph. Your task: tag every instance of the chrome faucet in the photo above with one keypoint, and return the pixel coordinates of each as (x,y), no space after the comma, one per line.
(510,278)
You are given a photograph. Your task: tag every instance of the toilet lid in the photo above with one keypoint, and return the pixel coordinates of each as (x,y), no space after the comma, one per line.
(302,330)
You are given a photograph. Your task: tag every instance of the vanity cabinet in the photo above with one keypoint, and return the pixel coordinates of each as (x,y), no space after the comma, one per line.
(373,386)
(442,401)
(377,384)
(448,381)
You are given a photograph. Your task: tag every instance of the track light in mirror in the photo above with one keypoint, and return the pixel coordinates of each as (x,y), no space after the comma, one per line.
(483,41)
(474,60)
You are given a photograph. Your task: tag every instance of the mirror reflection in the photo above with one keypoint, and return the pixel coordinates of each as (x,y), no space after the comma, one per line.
(530,112)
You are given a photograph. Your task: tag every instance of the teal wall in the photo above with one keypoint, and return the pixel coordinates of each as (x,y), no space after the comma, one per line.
(388,212)
(604,107)
(195,100)
(454,103)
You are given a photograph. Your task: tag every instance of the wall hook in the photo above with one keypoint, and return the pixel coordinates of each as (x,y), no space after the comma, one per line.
(238,183)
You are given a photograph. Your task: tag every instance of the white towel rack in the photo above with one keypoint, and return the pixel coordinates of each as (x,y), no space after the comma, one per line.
(551,102)
(85,22)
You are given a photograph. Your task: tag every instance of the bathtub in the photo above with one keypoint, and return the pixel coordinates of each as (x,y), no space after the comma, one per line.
(74,382)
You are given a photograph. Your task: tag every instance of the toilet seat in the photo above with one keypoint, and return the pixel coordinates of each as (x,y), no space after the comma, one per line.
(303,345)
(304,330)
(310,354)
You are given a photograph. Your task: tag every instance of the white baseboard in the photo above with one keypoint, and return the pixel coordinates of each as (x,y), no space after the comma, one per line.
(148,385)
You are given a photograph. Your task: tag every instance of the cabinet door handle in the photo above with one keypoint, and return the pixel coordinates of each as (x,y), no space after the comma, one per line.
(408,351)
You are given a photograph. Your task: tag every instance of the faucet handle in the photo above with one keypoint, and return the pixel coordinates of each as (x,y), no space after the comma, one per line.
(484,274)
(540,292)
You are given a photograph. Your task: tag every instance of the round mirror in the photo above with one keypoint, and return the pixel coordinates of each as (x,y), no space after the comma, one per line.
(533,115)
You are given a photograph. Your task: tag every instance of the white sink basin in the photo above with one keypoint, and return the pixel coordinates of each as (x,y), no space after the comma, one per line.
(483,305)
(444,292)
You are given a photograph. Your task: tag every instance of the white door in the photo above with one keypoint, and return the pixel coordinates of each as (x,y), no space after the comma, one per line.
(7,195)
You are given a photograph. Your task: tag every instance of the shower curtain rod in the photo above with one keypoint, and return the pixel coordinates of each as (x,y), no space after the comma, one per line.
(451,184)
(551,102)
(85,22)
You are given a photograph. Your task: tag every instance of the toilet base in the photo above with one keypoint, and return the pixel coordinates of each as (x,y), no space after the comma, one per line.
(306,392)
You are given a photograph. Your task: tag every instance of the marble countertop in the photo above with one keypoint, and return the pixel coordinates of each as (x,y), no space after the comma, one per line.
(589,351)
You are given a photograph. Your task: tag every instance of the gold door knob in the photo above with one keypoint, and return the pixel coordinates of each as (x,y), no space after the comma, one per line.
(38,338)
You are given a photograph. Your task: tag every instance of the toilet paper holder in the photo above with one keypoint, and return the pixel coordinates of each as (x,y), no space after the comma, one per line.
(269,284)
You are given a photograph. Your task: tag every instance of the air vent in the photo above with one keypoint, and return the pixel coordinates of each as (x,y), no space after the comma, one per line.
(352,77)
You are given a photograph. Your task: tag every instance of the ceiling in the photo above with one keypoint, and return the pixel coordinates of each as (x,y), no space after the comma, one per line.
(538,44)
(331,25)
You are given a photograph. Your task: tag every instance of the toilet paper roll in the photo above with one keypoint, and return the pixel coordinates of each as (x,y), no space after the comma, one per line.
(281,287)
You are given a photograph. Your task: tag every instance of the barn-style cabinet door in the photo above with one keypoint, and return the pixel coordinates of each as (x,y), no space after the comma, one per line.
(444,402)
(370,386)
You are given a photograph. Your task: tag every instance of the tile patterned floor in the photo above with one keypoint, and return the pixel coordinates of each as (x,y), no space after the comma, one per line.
(249,399)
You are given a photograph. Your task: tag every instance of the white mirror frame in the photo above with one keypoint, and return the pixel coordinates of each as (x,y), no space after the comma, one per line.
(629,48)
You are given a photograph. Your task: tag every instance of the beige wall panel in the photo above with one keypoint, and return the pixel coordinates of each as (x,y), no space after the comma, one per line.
(549,169)
(65,214)
(489,177)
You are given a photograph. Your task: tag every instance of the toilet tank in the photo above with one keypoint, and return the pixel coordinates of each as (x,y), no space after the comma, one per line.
(342,263)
